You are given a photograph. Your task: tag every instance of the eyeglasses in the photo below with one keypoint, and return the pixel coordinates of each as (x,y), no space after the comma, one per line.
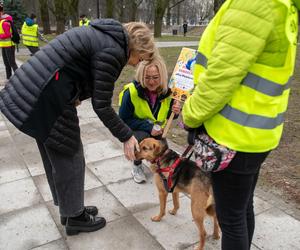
(154,78)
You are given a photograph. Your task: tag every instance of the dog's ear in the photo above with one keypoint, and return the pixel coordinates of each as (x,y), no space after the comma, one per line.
(156,148)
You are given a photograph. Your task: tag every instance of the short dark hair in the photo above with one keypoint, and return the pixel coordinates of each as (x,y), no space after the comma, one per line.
(32,16)
(82,16)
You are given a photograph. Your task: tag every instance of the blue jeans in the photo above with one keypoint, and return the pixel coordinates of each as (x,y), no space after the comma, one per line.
(233,191)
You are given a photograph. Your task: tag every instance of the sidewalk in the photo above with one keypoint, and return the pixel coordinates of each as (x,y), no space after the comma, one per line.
(29,220)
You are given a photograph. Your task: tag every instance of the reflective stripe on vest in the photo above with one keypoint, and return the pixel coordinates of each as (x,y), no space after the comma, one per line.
(253,81)
(7,42)
(30,35)
(142,109)
(252,121)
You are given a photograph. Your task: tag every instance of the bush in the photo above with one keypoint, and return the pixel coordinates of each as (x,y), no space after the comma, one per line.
(16,10)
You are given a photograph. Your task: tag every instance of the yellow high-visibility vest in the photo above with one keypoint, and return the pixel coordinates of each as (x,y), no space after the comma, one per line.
(252,121)
(30,35)
(86,23)
(142,109)
(7,42)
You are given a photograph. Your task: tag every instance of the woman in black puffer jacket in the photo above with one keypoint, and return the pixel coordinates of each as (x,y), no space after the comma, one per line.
(40,100)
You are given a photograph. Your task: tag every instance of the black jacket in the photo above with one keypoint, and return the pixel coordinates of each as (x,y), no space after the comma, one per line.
(91,58)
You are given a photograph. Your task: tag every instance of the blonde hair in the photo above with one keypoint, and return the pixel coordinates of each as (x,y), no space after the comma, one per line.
(140,39)
(159,63)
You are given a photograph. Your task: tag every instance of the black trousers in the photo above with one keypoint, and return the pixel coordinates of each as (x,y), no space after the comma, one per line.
(8,56)
(233,191)
(65,175)
(33,49)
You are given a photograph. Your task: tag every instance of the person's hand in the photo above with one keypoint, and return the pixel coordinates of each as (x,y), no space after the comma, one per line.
(129,147)
(176,107)
(155,132)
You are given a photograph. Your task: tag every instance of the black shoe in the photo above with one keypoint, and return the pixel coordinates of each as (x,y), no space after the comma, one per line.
(90,223)
(92,210)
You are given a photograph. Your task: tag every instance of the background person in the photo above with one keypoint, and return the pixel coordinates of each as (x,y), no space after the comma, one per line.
(245,60)
(40,100)
(83,20)
(146,104)
(185,27)
(31,34)
(7,45)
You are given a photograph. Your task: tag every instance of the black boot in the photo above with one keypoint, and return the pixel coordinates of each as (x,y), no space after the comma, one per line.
(92,210)
(84,223)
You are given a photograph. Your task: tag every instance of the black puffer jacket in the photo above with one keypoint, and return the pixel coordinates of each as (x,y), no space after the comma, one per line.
(93,57)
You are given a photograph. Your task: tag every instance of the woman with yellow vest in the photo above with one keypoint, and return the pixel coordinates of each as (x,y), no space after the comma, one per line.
(31,35)
(7,45)
(83,20)
(245,62)
(146,104)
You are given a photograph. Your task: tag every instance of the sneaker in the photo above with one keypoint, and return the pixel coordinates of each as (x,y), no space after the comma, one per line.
(138,174)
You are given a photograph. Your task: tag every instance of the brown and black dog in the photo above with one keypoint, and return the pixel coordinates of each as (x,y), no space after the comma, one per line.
(190,180)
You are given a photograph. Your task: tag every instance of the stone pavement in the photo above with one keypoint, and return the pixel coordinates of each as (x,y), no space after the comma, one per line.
(29,220)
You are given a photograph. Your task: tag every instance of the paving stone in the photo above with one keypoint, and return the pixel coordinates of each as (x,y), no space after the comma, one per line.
(276,230)
(34,163)
(101,150)
(91,134)
(126,233)
(18,194)
(54,245)
(174,232)
(112,170)
(135,197)
(260,205)
(12,166)
(27,229)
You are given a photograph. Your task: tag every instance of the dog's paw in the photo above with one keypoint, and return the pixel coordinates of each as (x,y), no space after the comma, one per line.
(173,211)
(156,218)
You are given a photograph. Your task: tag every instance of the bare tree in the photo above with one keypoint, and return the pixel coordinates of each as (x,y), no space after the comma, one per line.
(217,5)
(110,8)
(134,4)
(44,9)
(73,11)
(60,12)
(159,11)
(172,4)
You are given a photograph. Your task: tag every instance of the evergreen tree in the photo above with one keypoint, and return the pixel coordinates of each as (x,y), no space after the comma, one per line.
(16,10)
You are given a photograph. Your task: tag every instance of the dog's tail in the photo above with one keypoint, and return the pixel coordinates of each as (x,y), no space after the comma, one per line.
(211,208)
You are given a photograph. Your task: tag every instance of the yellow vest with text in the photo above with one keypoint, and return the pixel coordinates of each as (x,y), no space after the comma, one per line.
(30,35)
(142,109)
(250,124)
(7,42)
(87,22)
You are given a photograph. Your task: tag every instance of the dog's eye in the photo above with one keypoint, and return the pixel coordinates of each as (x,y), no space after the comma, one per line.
(144,148)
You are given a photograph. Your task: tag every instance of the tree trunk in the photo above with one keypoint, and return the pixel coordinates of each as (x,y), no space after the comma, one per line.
(73,12)
(160,8)
(217,5)
(109,8)
(168,16)
(178,14)
(45,16)
(60,13)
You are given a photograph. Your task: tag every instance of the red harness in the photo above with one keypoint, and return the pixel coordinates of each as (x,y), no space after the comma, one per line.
(168,182)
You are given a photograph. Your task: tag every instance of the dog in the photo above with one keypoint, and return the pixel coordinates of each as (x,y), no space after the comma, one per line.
(187,178)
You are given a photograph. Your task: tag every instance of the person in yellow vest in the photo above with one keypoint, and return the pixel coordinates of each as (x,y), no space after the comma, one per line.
(83,21)
(31,35)
(145,105)
(6,44)
(245,62)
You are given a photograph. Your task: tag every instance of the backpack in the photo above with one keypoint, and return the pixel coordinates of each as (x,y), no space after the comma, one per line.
(15,34)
